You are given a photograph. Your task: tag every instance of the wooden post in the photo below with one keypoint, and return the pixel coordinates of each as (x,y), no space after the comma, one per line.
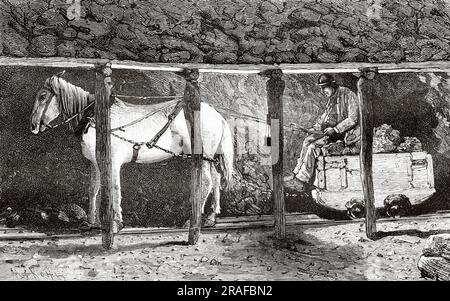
(275,89)
(103,149)
(366,124)
(192,104)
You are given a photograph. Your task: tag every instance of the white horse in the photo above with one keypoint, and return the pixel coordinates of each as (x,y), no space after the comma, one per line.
(136,123)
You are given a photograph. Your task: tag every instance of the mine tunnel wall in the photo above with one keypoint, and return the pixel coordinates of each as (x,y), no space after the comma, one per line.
(50,169)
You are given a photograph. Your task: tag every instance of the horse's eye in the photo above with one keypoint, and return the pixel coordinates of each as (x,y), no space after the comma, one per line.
(42,97)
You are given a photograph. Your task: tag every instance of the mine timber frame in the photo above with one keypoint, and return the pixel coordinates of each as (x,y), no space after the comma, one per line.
(223,224)
(103,68)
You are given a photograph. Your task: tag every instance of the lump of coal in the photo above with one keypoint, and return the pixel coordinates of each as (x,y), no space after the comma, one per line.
(386,139)
(33,216)
(7,212)
(353,149)
(411,144)
(74,213)
(10,218)
(334,149)
(438,246)
(65,214)
(13,220)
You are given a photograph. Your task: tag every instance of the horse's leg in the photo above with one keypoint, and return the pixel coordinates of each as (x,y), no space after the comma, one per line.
(94,202)
(216,178)
(207,187)
(210,220)
(88,151)
(117,198)
(205,192)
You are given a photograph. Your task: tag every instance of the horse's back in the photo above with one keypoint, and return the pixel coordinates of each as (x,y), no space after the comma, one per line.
(123,113)
(141,122)
(212,126)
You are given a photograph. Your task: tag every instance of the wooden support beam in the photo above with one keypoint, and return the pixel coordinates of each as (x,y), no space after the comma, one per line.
(275,89)
(192,103)
(62,62)
(366,124)
(103,150)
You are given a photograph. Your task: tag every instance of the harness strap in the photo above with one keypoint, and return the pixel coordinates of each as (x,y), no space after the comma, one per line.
(154,140)
(171,117)
(122,127)
(152,143)
(71,117)
(136,148)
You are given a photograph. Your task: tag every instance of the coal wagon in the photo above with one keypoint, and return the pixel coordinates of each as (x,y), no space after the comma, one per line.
(400,180)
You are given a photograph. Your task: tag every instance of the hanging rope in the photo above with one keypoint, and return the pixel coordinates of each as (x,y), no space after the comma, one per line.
(225,111)
(292,125)
(147,97)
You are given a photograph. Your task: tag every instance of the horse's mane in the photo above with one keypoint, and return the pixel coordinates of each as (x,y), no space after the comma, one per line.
(72,99)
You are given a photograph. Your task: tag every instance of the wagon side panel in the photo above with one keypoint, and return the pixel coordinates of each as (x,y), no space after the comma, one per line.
(411,174)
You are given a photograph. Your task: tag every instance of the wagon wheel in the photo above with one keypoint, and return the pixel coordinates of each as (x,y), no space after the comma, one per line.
(397,205)
(356,208)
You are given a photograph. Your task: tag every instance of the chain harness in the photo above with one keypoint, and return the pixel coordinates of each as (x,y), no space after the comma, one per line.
(152,143)
(136,145)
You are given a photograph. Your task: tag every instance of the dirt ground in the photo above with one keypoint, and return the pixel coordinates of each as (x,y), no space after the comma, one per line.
(333,252)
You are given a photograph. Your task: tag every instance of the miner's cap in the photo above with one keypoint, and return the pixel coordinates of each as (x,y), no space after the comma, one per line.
(326,79)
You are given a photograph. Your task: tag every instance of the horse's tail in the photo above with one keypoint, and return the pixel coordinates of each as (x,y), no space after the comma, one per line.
(226,155)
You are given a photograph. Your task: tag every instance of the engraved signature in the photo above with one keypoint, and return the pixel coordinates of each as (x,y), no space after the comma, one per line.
(29,273)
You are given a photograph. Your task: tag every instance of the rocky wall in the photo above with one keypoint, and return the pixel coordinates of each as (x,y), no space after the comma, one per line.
(228,31)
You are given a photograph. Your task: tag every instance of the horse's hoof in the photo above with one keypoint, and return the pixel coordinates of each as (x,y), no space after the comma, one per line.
(96,227)
(117,226)
(86,227)
(208,223)
(94,222)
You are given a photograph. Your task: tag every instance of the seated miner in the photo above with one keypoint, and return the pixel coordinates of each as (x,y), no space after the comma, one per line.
(338,124)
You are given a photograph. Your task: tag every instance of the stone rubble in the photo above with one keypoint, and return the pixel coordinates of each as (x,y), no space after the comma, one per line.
(229,31)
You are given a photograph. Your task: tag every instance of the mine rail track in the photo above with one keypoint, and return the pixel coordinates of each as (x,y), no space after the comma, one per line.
(223,224)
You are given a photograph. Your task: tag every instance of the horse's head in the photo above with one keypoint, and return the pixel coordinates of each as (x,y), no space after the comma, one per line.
(46,107)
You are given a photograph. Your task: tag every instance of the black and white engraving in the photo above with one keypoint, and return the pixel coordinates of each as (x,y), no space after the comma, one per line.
(224,140)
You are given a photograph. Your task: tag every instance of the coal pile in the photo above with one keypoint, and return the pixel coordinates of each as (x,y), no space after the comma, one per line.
(386,139)
(411,144)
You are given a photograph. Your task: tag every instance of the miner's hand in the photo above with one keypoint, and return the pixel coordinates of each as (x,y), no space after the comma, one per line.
(316,127)
(329,131)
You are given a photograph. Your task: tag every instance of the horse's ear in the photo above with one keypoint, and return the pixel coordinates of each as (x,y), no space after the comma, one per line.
(60,74)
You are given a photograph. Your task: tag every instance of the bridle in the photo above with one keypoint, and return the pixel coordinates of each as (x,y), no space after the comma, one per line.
(53,93)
